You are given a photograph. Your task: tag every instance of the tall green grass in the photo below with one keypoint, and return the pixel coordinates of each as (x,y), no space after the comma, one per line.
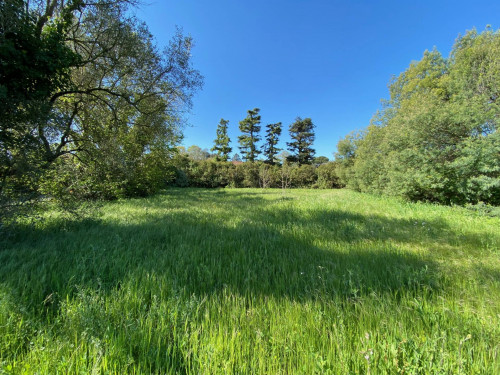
(253,282)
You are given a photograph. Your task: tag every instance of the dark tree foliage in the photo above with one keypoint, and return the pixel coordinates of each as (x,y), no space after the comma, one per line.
(85,80)
(35,63)
(302,134)
(212,174)
(221,143)
(273,132)
(248,141)
(318,160)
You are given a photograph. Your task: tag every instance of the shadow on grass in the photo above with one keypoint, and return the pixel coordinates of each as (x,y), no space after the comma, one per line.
(269,249)
(198,243)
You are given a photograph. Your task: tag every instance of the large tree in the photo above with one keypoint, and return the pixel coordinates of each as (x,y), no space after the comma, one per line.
(221,143)
(248,141)
(36,63)
(273,132)
(91,83)
(436,138)
(302,134)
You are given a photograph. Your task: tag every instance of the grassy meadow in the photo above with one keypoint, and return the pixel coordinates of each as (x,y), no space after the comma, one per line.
(251,281)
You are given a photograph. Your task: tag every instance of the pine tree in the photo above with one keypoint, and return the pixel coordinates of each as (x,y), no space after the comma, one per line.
(250,129)
(221,143)
(302,134)
(273,131)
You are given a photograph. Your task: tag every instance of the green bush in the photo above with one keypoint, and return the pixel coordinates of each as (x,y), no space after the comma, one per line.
(327,176)
(303,176)
(212,174)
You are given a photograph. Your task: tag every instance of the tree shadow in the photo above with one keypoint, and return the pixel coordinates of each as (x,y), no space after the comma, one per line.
(204,243)
(270,249)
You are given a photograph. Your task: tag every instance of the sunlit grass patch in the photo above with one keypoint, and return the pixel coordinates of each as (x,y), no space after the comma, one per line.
(254,281)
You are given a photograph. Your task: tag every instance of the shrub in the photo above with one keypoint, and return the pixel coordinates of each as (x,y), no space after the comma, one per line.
(303,176)
(327,176)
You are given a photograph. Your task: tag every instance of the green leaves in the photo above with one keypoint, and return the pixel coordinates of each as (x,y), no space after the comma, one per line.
(87,80)
(273,132)
(302,134)
(434,138)
(221,143)
(248,141)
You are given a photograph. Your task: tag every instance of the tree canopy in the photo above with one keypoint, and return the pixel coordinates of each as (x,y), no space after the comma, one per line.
(302,134)
(221,143)
(250,129)
(273,132)
(436,138)
(86,79)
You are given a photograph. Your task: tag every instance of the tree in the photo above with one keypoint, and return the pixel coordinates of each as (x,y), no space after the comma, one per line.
(317,161)
(273,131)
(436,137)
(302,134)
(221,143)
(345,157)
(265,176)
(283,156)
(197,153)
(303,176)
(36,62)
(327,176)
(95,87)
(285,175)
(250,129)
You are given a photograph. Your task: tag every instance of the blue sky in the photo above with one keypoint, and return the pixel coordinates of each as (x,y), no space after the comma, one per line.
(327,60)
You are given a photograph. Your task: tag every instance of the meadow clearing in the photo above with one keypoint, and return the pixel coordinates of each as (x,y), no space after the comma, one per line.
(197,281)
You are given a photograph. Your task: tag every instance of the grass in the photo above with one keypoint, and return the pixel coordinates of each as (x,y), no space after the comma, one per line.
(252,281)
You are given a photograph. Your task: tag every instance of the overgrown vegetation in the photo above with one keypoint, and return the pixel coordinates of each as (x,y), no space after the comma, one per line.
(198,281)
(437,137)
(210,173)
(250,281)
(88,103)
(91,109)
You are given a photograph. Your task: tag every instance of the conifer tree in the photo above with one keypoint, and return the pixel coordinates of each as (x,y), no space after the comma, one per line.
(302,134)
(250,128)
(221,143)
(273,131)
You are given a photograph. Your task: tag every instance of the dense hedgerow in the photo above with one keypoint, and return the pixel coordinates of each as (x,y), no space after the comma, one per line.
(211,173)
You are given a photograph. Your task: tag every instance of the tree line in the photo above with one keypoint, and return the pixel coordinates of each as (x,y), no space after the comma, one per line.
(91,108)
(437,137)
(301,132)
(208,172)
(199,168)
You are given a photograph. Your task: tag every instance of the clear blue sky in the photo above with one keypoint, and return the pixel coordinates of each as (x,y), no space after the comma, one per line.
(328,60)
